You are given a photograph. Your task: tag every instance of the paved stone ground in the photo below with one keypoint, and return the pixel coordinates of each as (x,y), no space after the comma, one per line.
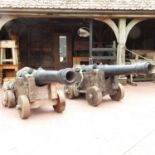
(113,128)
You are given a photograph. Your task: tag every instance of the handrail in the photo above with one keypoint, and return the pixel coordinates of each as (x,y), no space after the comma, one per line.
(134,53)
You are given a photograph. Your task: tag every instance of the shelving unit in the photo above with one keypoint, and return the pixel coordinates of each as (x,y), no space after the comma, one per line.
(89,50)
(101,53)
(8,59)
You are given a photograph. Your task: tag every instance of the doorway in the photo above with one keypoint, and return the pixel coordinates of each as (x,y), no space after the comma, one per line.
(62,50)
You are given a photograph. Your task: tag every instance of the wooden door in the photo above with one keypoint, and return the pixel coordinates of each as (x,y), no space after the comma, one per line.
(40,48)
(62,50)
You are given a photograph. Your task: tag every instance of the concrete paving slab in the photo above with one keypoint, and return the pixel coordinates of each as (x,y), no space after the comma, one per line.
(113,128)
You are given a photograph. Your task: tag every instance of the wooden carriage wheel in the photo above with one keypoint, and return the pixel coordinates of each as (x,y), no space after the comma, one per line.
(11,99)
(5,99)
(119,93)
(94,96)
(24,106)
(60,102)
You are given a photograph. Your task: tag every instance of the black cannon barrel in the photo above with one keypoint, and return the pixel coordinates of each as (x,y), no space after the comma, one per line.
(64,76)
(139,68)
(111,70)
(43,77)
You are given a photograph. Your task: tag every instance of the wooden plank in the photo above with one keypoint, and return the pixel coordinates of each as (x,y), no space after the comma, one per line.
(14,67)
(103,49)
(7,44)
(103,58)
(7,60)
(53,88)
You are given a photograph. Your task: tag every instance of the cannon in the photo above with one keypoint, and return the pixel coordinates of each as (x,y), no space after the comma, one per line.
(33,88)
(43,77)
(96,81)
(112,70)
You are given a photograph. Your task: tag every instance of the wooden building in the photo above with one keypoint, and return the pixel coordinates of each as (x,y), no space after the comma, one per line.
(48,34)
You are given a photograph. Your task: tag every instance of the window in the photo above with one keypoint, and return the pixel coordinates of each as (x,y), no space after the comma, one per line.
(63,48)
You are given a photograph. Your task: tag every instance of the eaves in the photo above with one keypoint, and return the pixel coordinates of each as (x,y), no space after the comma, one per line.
(77,13)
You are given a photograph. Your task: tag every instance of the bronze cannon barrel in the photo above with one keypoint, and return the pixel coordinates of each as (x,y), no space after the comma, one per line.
(110,70)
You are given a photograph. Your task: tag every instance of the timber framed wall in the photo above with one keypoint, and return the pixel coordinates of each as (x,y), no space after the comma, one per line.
(121,25)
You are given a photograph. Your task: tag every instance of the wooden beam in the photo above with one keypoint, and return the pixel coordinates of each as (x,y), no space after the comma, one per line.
(131,24)
(103,49)
(111,24)
(121,41)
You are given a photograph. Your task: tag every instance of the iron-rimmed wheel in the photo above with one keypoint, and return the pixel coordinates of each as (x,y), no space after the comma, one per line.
(11,99)
(94,96)
(60,102)
(24,106)
(119,93)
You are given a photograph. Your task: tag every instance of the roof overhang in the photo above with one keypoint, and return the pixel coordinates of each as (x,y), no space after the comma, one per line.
(72,13)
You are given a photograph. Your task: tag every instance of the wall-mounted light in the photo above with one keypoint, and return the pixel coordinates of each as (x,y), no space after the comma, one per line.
(83,32)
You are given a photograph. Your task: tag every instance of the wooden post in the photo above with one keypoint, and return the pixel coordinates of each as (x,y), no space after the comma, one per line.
(90,41)
(53,87)
(1,74)
(121,41)
(1,56)
(121,46)
(14,56)
(4,19)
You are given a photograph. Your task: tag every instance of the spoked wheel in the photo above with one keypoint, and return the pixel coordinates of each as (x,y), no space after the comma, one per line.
(71,91)
(11,99)
(119,93)
(94,96)
(5,99)
(60,105)
(24,106)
